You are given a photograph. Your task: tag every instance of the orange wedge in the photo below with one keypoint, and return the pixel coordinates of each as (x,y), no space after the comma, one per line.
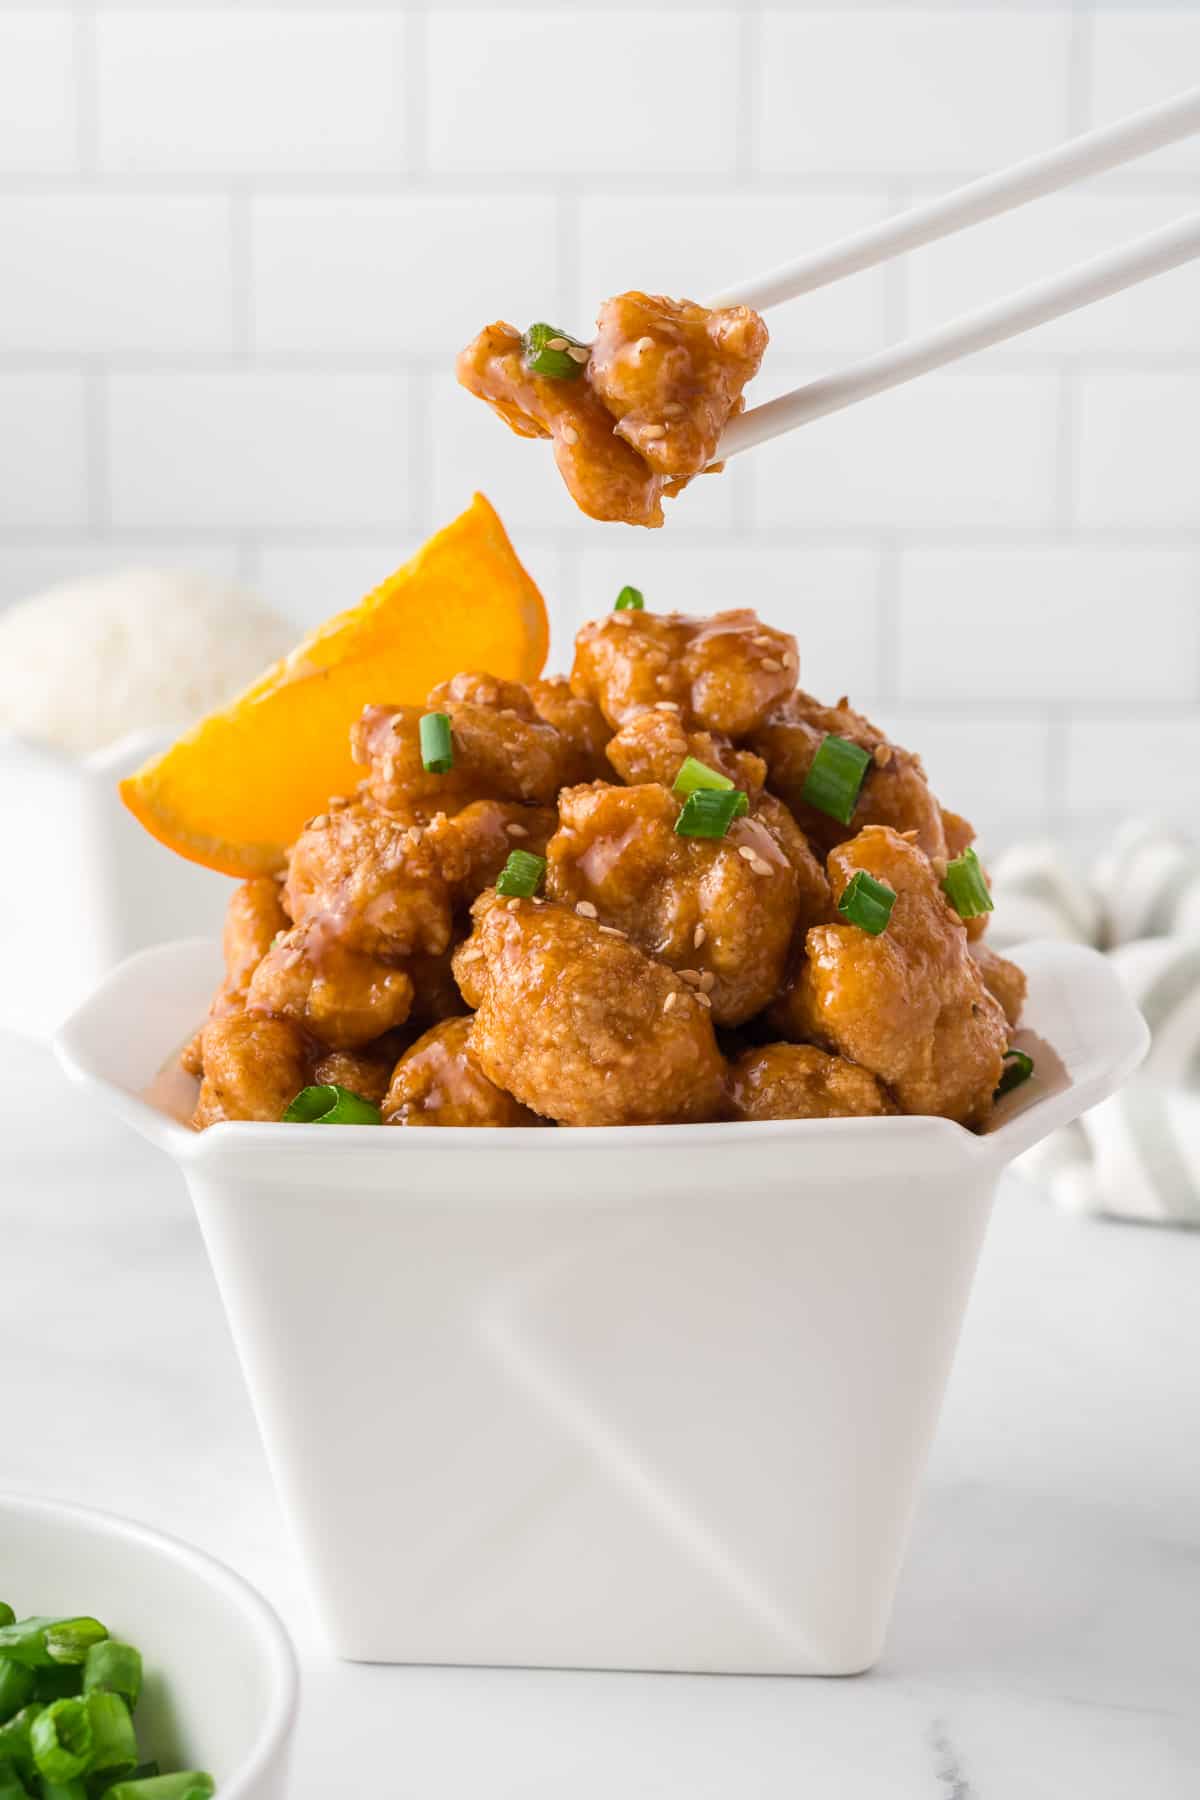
(238,787)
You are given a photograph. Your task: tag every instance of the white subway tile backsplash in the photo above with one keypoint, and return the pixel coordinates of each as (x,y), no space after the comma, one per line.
(251,91)
(582,90)
(39,131)
(1139,450)
(98,272)
(1065,623)
(43,450)
(405,269)
(1142,54)
(236,450)
(995,771)
(1112,764)
(697,246)
(909,90)
(947,451)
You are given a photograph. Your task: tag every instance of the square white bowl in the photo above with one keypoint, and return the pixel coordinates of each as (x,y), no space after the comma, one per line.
(653,1398)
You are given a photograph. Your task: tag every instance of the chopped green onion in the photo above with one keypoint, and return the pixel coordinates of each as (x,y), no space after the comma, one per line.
(7,1615)
(11,1785)
(694,774)
(16,1687)
(1020,1068)
(835,777)
(437,749)
(114,1743)
(708,813)
(521,875)
(39,1643)
(14,1739)
(63,1790)
(630,599)
(63,1682)
(61,1740)
(867,903)
(547,351)
(114,1668)
(965,887)
(104,1784)
(329,1104)
(190,1784)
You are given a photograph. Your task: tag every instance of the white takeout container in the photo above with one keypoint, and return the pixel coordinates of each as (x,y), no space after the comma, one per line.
(84,886)
(651,1398)
(220,1691)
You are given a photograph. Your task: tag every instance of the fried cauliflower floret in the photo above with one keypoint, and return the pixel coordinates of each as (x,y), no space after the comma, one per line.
(723,910)
(366,1071)
(439,1082)
(253,1069)
(1003,979)
(672,374)
(798,1081)
(605,476)
(894,790)
(909,1005)
(579,722)
(386,741)
(377,875)
(580,1025)
(254,917)
(339,995)
(473,845)
(653,746)
(726,672)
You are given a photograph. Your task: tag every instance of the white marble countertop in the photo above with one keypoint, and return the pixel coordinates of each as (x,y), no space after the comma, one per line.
(1046,1640)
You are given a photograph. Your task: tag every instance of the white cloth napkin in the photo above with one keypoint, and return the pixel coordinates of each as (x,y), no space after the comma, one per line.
(1136,1156)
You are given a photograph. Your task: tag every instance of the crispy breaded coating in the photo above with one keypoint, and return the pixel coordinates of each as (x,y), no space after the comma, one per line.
(340,995)
(367,1071)
(605,476)
(894,790)
(378,875)
(726,672)
(812,883)
(473,845)
(909,1005)
(386,740)
(253,1069)
(580,1025)
(653,746)
(724,910)
(1002,978)
(253,919)
(439,1082)
(580,722)
(672,374)
(798,1081)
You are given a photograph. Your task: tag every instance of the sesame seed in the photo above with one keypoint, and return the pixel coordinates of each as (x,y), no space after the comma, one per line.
(670,1000)
(621,618)
(319,823)
(910,837)
(397,725)
(747,853)
(760,867)
(883,755)
(789,661)
(558,343)
(667,706)
(939,867)
(689,975)
(585,909)
(654,431)
(578,352)
(762,639)
(673,410)
(770,663)
(698,937)
(514,905)
(570,435)
(611,931)
(704,1000)
(515,830)
(643,344)
(708,982)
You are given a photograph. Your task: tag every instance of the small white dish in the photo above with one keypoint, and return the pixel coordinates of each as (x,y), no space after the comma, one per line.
(221,1685)
(650,1398)
(87,886)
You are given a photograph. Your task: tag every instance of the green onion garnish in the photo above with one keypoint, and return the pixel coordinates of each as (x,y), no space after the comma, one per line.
(437,749)
(11,1785)
(114,1743)
(16,1686)
(114,1668)
(41,1642)
(708,813)
(547,351)
(694,775)
(630,599)
(14,1739)
(867,903)
(521,875)
(190,1784)
(328,1104)
(1019,1068)
(965,888)
(7,1615)
(59,1683)
(835,777)
(61,1740)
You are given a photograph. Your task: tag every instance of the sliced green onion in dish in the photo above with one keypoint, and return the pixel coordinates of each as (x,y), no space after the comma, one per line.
(7,1615)
(63,1682)
(696,777)
(965,887)
(1018,1068)
(114,1742)
(835,778)
(39,1643)
(189,1784)
(14,1739)
(327,1104)
(16,1686)
(114,1668)
(708,813)
(630,599)
(547,351)
(867,903)
(437,748)
(521,875)
(61,1740)
(11,1785)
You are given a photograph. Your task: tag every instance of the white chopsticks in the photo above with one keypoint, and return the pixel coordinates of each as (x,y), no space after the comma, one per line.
(1008,317)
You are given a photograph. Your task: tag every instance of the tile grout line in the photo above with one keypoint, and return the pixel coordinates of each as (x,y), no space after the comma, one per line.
(96,463)
(241,271)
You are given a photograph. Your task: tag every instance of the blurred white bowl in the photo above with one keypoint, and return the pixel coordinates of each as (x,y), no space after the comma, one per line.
(636,1398)
(84,886)
(220,1688)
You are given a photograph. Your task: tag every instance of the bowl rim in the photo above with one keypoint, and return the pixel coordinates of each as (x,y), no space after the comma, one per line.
(265,1625)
